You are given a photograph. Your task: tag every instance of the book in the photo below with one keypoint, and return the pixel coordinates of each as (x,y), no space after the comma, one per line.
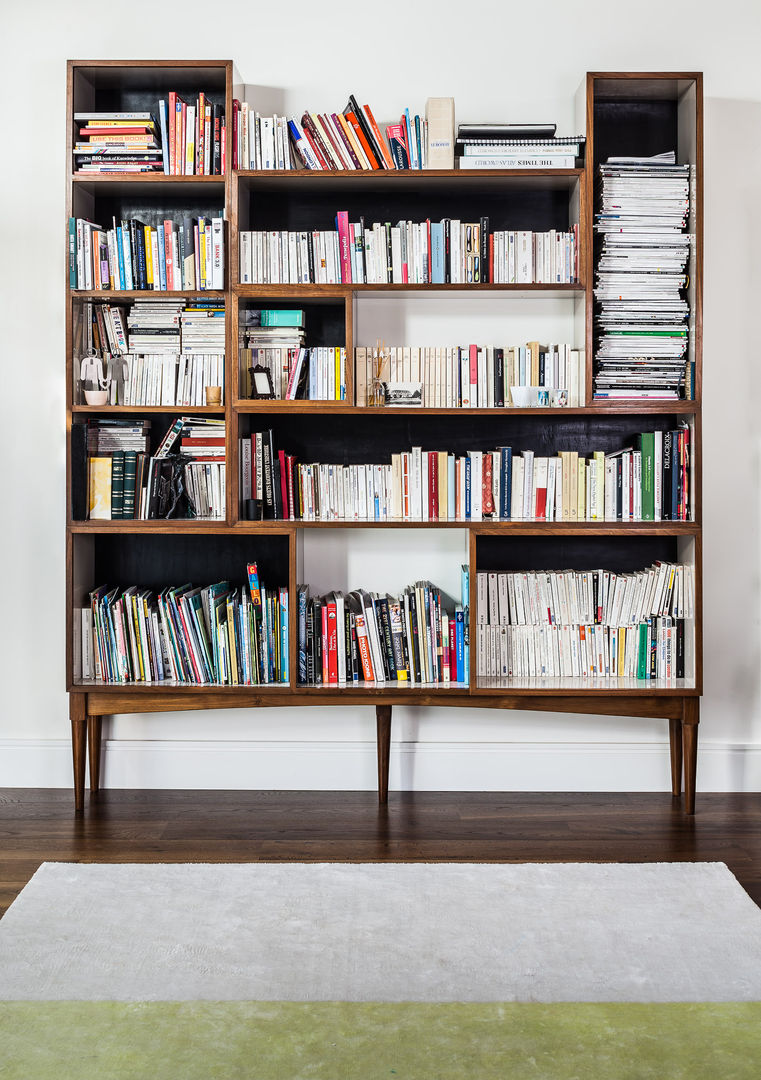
(439,114)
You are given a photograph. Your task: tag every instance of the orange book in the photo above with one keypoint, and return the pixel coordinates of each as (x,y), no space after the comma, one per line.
(363,140)
(353,141)
(379,138)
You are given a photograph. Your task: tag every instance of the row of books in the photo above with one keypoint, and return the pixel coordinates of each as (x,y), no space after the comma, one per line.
(582,624)
(219,635)
(186,254)
(193,136)
(172,379)
(652,483)
(648,650)
(365,637)
(416,253)
(317,374)
(472,376)
(349,140)
(185,477)
(642,320)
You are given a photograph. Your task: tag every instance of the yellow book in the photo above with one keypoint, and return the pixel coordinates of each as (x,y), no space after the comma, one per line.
(337,361)
(148,254)
(581,491)
(233,652)
(99,488)
(138,638)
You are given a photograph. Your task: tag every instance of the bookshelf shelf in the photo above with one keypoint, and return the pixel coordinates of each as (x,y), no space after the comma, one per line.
(611,110)
(131,410)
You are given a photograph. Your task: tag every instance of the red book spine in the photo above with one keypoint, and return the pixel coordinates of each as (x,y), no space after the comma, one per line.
(541,504)
(474,398)
(452,649)
(491,257)
(389,161)
(324,631)
(236,116)
(433,486)
(222,145)
(316,142)
(342,224)
(332,642)
(487,486)
(345,142)
(283,481)
(291,501)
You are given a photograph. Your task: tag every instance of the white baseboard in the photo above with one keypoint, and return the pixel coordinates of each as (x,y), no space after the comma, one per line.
(351,766)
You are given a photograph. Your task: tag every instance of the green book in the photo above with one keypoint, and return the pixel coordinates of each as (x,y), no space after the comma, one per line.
(647,446)
(642,652)
(129,474)
(117,484)
(282,317)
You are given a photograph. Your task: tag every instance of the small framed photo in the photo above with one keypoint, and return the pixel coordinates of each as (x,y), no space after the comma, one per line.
(261,382)
(409,394)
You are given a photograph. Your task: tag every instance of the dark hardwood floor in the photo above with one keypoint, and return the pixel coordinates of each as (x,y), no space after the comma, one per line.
(38,825)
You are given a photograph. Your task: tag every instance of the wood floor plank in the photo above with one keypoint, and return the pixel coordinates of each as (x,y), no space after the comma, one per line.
(39,825)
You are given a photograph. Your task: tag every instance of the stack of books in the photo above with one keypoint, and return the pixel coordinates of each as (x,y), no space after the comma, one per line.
(202,324)
(193,136)
(363,637)
(200,442)
(642,321)
(516,146)
(117,142)
(112,449)
(584,624)
(220,635)
(154,326)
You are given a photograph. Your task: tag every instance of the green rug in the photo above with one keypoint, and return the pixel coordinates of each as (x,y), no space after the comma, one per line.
(70,1040)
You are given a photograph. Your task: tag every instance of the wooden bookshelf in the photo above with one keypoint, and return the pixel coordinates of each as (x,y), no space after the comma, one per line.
(627,112)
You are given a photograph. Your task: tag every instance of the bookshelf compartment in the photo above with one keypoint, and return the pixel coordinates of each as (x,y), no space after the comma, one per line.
(312,201)
(327,324)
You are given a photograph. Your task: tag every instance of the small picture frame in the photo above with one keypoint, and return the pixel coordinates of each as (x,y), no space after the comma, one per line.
(261,383)
(403,394)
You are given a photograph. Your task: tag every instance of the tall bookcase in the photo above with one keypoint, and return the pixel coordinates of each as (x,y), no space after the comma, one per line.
(620,113)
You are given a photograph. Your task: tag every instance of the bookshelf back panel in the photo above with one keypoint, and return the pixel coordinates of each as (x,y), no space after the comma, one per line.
(100,203)
(313,207)
(353,440)
(628,127)
(621,553)
(154,561)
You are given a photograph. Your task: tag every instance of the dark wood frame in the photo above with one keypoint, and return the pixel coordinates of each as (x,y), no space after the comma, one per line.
(89,702)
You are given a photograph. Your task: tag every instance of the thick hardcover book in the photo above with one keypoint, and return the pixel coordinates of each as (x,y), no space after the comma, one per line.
(506,131)
(117,484)
(382,607)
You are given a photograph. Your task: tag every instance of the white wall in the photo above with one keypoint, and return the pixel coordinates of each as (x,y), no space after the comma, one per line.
(517,62)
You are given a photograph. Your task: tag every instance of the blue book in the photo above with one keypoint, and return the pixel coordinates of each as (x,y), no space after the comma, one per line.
(72,253)
(505,482)
(127,256)
(467,487)
(284,674)
(120,257)
(410,142)
(459,638)
(162,258)
(437,253)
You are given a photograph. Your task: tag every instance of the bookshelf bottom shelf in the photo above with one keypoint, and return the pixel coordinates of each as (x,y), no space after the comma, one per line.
(680,706)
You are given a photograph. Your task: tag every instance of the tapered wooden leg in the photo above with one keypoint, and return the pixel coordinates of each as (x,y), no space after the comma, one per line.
(383,725)
(77,713)
(690,721)
(675,735)
(94,724)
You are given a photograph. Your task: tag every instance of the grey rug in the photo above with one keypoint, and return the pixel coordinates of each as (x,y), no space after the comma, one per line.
(382,932)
